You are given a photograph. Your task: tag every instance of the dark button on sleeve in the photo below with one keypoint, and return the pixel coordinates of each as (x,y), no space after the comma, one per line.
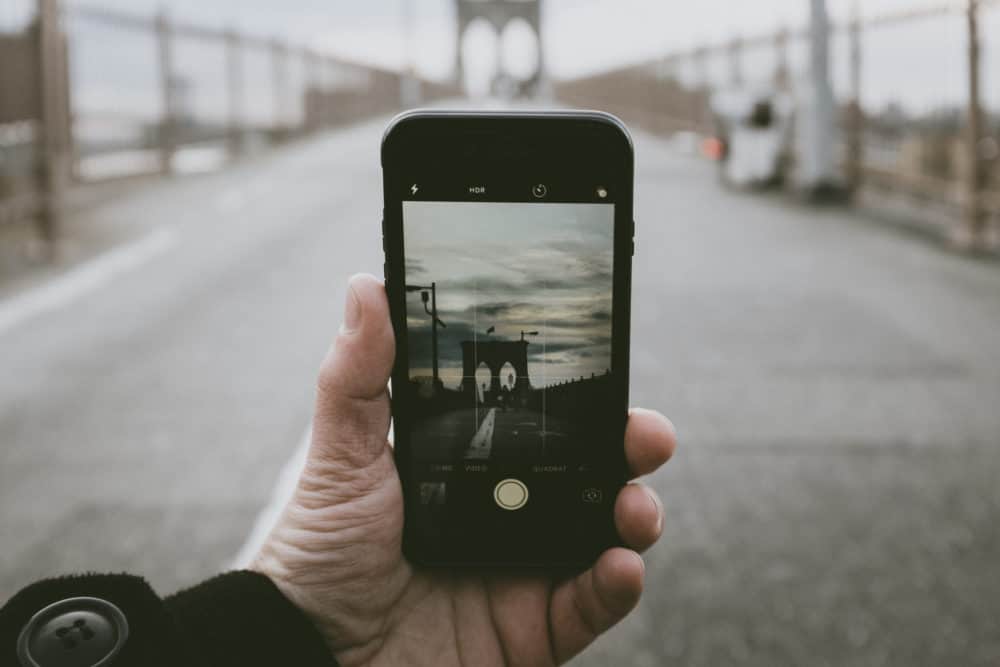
(75,632)
(109,620)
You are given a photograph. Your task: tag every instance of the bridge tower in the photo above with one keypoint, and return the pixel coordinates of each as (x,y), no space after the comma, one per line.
(498,13)
(495,354)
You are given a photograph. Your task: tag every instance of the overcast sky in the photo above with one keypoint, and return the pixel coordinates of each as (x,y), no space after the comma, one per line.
(515,267)
(921,65)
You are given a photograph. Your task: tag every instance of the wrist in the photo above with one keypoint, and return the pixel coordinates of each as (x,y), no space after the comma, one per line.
(271,562)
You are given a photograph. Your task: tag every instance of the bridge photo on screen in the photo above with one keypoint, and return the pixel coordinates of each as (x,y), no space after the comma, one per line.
(509,342)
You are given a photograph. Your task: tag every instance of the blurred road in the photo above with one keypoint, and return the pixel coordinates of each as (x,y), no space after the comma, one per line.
(835,500)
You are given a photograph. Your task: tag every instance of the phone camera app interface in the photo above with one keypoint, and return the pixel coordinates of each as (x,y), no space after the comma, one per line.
(508,315)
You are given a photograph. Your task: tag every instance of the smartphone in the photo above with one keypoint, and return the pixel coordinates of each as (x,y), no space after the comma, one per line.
(508,242)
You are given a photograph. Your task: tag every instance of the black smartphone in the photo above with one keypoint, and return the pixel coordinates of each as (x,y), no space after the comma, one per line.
(508,243)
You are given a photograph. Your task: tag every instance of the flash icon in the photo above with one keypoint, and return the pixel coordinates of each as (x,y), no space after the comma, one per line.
(414,188)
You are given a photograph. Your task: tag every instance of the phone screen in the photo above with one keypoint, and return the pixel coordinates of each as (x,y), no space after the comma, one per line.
(509,330)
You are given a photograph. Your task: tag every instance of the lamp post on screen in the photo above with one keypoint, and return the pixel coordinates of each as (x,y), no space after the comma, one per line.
(429,293)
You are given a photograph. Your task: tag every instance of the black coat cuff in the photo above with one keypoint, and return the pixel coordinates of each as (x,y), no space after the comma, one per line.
(236,619)
(241,619)
(153,638)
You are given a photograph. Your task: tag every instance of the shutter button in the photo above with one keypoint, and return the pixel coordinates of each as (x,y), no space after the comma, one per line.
(77,632)
(511,494)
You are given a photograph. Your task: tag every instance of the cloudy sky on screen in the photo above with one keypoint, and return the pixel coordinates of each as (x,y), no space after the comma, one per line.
(514,267)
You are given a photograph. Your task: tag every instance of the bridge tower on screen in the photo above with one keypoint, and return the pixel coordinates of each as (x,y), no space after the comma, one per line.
(494,354)
(499,13)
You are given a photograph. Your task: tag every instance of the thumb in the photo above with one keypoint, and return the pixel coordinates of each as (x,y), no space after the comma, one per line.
(351,422)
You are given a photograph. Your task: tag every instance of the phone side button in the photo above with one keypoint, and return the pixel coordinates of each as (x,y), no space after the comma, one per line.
(385,270)
(633,247)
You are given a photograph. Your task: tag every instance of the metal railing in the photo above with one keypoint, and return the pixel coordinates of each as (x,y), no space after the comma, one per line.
(88,93)
(947,154)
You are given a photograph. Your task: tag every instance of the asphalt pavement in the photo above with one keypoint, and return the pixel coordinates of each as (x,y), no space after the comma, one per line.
(836,386)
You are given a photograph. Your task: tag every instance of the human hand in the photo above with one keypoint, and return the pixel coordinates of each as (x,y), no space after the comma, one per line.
(336,551)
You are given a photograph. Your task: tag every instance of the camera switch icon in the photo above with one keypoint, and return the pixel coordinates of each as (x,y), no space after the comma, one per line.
(593,495)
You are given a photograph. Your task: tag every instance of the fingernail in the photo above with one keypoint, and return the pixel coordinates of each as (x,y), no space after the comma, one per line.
(658,508)
(352,311)
(642,563)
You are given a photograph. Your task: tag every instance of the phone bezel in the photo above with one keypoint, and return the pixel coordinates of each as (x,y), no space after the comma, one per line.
(585,143)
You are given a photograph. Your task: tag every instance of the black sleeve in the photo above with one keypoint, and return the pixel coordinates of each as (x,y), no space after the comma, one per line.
(236,619)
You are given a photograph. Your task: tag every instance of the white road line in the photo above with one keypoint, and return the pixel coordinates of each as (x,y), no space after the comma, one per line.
(85,278)
(268,517)
(482,442)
